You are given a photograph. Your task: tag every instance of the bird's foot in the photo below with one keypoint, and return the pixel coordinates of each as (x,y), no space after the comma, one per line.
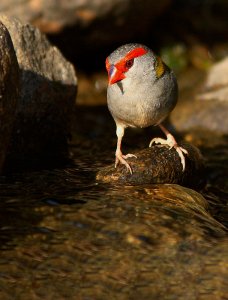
(120,158)
(171,142)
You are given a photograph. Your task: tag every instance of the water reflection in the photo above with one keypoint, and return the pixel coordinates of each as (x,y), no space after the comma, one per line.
(64,235)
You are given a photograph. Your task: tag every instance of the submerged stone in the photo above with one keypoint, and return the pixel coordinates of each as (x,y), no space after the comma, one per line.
(158,164)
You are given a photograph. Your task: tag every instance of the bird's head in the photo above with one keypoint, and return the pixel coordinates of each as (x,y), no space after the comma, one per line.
(134,61)
(122,60)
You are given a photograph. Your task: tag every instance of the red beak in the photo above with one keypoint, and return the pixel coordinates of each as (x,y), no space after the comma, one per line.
(114,75)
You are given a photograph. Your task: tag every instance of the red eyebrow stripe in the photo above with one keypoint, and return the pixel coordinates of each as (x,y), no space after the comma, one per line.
(120,65)
(135,53)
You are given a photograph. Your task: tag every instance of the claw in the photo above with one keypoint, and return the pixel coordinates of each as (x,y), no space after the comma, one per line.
(181,155)
(171,142)
(156,141)
(129,155)
(120,158)
(183,150)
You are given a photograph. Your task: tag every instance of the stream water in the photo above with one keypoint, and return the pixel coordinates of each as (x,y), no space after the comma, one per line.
(65,236)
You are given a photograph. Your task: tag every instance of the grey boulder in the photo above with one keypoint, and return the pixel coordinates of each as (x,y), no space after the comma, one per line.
(95,22)
(203,103)
(47,99)
(9,90)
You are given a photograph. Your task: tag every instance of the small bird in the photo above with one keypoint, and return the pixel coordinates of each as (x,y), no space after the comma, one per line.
(142,91)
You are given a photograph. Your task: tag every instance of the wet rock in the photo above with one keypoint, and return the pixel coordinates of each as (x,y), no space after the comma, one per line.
(203,101)
(9,89)
(158,164)
(47,99)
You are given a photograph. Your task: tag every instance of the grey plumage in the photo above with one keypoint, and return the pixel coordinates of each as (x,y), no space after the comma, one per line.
(144,100)
(142,91)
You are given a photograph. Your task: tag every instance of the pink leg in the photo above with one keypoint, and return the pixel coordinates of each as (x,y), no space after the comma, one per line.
(171,142)
(120,158)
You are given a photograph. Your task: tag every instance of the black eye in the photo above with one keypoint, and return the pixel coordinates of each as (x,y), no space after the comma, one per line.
(129,63)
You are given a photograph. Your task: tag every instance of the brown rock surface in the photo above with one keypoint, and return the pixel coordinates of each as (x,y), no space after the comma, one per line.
(157,164)
(9,89)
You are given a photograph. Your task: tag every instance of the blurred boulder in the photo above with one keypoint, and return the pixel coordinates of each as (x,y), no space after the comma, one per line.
(48,92)
(203,100)
(9,90)
(52,17)
(88,23)
(216,83)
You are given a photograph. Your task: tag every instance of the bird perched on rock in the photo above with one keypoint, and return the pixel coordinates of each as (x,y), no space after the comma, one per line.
(142,91)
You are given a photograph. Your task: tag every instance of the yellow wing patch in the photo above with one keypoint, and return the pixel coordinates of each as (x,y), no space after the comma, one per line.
(160,67)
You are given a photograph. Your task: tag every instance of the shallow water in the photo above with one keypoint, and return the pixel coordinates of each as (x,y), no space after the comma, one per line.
(64,235)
